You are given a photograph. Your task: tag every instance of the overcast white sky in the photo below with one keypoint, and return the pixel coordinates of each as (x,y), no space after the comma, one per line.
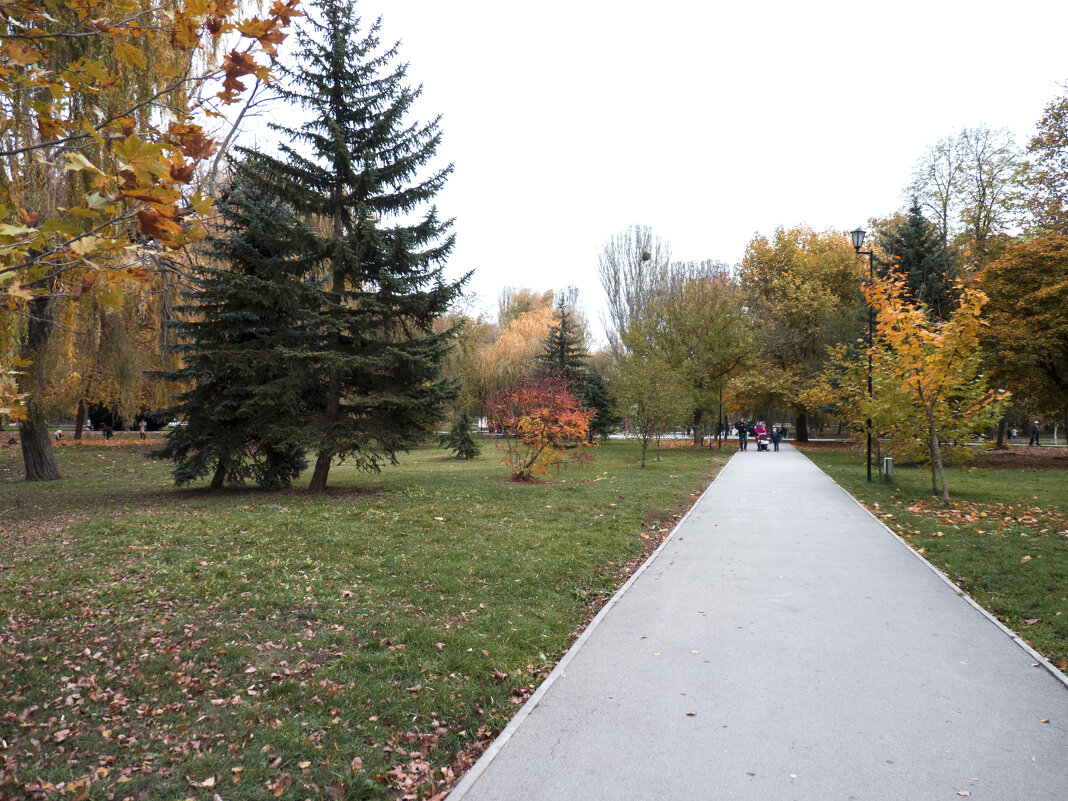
(569,120)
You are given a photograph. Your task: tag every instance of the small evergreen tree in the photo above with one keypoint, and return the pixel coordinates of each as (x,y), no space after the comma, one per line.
(919,254)
(354,168)
(594,394)
(566,356)
(459,439)
(241,320)
(564,350)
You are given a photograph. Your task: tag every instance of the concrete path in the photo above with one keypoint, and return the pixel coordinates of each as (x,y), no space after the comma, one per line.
(783,644)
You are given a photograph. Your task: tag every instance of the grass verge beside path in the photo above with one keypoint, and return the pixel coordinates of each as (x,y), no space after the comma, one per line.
(1004,539)
(174,644)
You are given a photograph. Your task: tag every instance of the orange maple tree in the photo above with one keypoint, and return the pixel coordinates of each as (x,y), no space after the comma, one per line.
(543,426)
(934,366)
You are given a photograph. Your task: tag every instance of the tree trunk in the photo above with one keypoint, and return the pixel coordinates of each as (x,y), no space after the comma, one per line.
(721,428)
(1001,435)
(37,456)
(80,419)
(801,434)
(220,474)
(322,470)
(936,459)
(333,391)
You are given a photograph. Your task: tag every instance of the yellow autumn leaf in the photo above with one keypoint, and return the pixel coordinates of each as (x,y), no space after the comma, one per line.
(141,156)
(197,8)
(76,162)
(85,245)
(93,132)
(15,230)
(20,52)
(201,204)
(130,55)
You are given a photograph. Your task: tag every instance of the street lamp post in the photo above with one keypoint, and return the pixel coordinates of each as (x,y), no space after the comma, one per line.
(858,242)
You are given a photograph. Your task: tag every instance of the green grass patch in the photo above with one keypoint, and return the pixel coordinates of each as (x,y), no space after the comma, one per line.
(1004,539)
(365,643)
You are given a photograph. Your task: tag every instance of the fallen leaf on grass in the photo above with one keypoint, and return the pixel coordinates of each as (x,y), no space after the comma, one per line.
(357,763)
(207,784)
(1032,620)
(1025,559)
(304,765)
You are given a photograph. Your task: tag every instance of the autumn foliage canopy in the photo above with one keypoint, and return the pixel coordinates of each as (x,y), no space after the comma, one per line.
(543,424)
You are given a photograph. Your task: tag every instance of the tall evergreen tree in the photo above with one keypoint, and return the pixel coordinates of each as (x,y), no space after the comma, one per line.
(355,168)
(240,326)
(918,252)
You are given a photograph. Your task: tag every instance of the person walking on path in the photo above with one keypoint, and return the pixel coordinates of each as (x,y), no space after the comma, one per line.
(776,436)
(1034,434)
(142,427)
(743,435)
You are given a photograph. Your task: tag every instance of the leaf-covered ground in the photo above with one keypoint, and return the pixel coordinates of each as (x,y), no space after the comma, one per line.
(1003,540)
(366,644)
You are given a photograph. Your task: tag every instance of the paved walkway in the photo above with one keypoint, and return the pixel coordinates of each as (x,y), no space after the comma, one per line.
(782,644)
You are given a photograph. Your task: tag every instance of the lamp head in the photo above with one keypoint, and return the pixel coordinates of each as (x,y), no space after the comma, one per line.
(858,238)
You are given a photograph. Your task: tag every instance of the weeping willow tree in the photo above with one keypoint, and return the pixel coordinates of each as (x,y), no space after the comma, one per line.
(105,350)
(99,150)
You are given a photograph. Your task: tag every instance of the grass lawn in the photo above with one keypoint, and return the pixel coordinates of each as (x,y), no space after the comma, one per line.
(1004,539)
(171,644)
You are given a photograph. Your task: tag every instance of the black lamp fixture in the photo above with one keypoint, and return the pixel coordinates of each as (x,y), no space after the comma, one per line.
(858,243)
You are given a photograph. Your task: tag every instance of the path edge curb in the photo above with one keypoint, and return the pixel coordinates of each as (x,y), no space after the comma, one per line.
(1012,635)
(560,669)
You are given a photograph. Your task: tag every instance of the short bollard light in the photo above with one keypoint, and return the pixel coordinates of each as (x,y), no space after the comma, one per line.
(888,467)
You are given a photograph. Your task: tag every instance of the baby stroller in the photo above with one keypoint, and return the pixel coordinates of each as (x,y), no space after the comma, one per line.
(762,440)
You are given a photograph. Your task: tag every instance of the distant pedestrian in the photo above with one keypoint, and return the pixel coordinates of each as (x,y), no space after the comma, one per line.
(107,430)
(142,428)
(776,435)
(1034,434)
(743,435)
